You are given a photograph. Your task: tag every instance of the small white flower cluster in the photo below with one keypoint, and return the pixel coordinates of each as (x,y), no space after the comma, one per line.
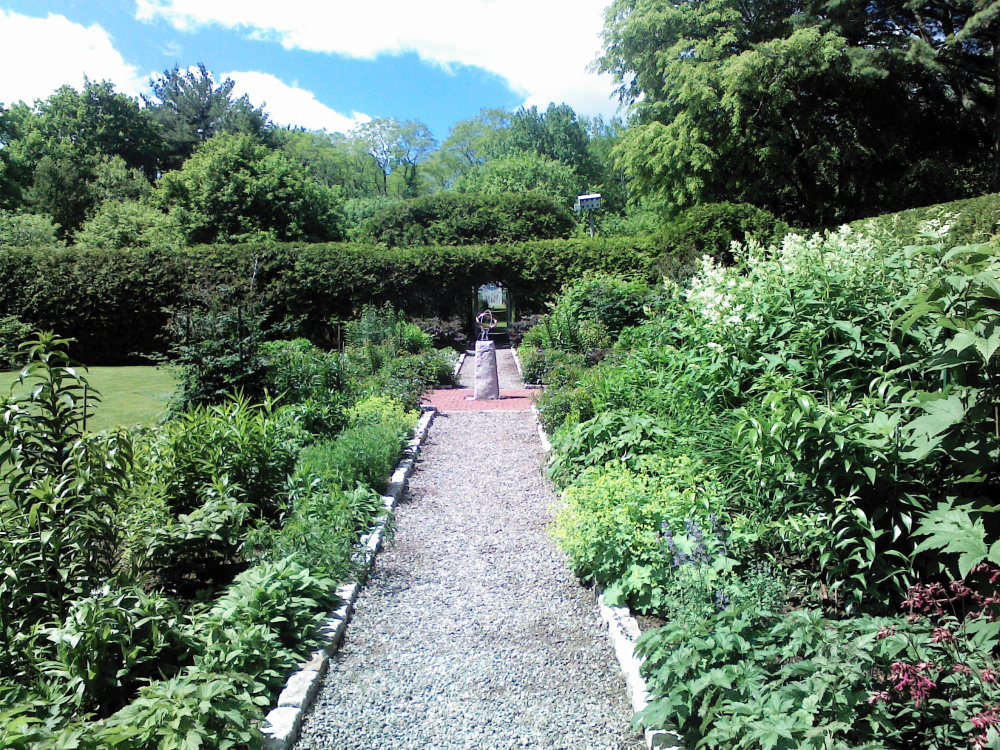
(729,297)
(714,291)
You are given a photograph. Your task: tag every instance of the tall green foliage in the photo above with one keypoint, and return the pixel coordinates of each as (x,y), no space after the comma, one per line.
(58,538)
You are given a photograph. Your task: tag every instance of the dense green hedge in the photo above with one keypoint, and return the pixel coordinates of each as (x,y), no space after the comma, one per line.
(972,220)
(112,301)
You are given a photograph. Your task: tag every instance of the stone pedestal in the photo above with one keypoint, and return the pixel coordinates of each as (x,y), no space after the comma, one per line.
(487,379)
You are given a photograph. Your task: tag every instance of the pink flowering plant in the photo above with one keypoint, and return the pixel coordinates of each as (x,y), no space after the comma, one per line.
(942,682)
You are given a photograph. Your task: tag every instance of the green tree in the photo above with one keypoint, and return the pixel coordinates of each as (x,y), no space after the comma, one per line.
(466,147)
(818,112)
(130,223)
(413,144)
(333,159)
(10,180)
(96,121)
(234,188)
(114,180)
(56,150)
(27,230)
(522,173)
(189,109)
(395,148)
(556,134)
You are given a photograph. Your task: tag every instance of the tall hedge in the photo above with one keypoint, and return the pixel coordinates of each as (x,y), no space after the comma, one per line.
(971,220)
(112,301)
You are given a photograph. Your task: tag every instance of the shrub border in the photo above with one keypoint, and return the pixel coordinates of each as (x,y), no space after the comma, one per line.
(284,721)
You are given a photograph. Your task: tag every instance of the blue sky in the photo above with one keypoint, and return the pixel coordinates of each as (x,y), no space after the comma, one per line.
(320,63)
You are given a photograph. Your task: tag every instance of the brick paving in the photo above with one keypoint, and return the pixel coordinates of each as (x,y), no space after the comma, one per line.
(460,399)
(512,397)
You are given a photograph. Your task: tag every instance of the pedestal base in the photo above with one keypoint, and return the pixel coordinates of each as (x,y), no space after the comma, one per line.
(487,380)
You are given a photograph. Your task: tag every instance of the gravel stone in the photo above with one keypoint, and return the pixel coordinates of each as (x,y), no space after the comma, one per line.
(472,632)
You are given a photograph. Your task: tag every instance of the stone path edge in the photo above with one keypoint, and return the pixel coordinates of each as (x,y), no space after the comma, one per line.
(283,723)
(623,631)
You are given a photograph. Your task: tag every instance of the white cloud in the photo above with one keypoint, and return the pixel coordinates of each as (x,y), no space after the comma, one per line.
(38,55)
(290,105)
(541,47)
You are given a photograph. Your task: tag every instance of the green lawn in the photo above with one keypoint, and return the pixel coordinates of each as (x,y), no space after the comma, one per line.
(129,395)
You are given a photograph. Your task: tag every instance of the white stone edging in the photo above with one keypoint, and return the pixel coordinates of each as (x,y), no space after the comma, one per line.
(517,363)
(458,365)
(623,631)
(283,722)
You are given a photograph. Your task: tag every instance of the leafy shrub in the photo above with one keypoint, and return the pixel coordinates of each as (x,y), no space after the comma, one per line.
(552,367)
(407,378)
(12,332)
(216,346)
(324,524)
(622,437)
(445,334)
(297,370)
(251,446)
(517,329)
(385,412)
(570,402)
(59,540)
(451,218)
(612,524)
(748,678)
(970,221)
(364,454)
(199,551)
(111,642)
(281,596)
(746,674)
(196,709)
(388,328)
(609,301)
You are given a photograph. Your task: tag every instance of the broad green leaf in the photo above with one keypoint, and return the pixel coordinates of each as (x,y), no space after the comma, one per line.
(953,531)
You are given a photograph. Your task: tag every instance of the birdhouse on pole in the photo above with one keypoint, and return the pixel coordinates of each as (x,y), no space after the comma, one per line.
(589,203)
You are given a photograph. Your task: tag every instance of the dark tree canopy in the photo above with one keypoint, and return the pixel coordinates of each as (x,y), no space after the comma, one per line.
(820,112)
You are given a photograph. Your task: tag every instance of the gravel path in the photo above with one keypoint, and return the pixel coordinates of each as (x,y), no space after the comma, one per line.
(472,632)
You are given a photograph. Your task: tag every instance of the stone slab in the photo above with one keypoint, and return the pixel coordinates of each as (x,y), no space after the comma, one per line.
(487,376)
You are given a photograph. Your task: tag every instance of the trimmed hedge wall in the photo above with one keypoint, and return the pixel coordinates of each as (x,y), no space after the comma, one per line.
(972,220)
(112,301)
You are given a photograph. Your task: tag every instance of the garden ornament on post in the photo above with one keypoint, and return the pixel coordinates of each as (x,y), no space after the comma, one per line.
(486,323)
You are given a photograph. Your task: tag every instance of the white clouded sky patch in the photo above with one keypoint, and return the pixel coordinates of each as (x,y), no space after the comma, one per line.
(34,54)
(290,105)
(541,47)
